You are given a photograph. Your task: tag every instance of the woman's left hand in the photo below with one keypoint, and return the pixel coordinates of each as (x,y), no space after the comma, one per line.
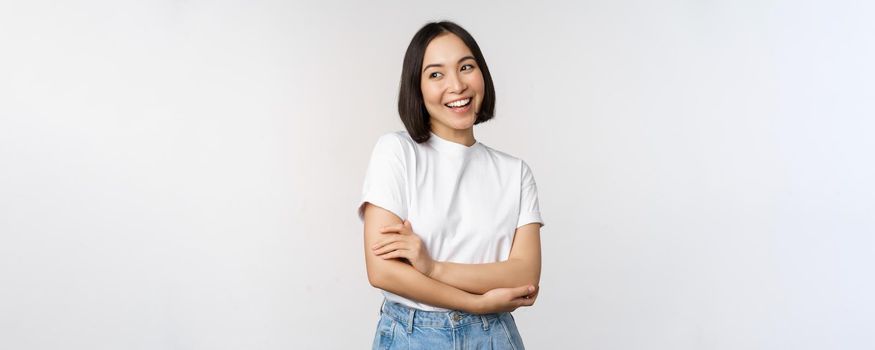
(399,241)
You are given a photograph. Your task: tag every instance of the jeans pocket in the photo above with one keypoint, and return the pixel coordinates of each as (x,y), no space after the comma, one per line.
(385,333)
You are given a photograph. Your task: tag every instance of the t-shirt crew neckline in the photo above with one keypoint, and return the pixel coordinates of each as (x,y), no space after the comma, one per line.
(447,146)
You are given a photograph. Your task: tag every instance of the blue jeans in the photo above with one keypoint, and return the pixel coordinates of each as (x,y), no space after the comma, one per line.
(401,327)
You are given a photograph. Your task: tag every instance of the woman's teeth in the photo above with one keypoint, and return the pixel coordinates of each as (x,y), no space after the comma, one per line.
(459,103)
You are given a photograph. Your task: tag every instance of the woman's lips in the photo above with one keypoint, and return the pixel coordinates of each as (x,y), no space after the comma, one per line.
(460,109)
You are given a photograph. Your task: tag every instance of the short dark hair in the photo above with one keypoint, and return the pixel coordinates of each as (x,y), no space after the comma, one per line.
(411,106)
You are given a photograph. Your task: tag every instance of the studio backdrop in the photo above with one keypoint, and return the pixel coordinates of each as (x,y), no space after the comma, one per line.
(185,174)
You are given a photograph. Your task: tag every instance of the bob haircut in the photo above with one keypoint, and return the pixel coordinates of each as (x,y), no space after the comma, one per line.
(411,106)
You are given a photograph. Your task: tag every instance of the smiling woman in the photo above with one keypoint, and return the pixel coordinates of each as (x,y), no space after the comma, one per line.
(451,226)
(443,64)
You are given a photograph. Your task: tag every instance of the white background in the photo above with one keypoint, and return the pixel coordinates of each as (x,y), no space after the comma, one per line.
(184,174)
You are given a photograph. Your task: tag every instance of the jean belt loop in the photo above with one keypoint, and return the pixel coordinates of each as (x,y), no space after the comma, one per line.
(410,320)
(383,304)
(485,322)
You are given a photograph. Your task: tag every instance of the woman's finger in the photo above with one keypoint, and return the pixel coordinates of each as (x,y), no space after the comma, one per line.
(392,228)
(525,301)
(400,253)
(407,228)
(390,247)
(522,292)
(382,243)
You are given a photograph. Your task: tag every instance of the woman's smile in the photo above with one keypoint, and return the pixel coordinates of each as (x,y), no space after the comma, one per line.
(460,106)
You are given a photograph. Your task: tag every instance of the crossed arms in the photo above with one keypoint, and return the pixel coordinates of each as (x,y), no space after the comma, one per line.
(475,288)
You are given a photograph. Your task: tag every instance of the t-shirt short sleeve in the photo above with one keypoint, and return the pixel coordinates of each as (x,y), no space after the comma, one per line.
(529,210)
(385,180)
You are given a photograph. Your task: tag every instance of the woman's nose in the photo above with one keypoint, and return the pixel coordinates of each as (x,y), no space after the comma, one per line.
(456,84)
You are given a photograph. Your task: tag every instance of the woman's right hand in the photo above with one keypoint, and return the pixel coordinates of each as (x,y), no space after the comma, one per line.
(506,299)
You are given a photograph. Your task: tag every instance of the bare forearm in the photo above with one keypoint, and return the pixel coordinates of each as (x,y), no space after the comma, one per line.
(522,267)
(402,279)
(480,278)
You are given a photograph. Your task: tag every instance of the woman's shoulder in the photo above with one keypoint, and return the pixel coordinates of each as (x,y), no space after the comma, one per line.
(511,162)
(395,142)
(503,156)
(399,136)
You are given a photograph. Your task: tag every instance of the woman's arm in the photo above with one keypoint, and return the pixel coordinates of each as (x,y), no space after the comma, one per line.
(523,266)
(402,279)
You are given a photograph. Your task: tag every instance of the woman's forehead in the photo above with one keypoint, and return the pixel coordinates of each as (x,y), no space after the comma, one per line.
(445,49)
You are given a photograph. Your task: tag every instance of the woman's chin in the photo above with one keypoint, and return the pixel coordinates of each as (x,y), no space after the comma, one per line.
(456,122)
(462,122)
(462,126)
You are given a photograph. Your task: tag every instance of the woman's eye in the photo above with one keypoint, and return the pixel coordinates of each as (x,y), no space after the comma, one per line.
(434,75)
(470,67)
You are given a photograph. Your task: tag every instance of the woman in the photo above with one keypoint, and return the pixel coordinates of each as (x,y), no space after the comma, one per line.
(452,226)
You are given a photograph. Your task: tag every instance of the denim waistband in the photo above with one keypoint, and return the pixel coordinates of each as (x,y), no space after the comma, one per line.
(410,317)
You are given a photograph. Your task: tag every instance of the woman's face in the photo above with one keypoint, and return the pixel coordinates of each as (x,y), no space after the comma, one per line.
(452,84)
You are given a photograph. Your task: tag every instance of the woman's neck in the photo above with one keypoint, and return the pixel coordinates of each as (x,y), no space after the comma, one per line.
(464,137)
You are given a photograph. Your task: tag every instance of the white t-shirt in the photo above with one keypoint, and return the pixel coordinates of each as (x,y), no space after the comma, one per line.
(464,202)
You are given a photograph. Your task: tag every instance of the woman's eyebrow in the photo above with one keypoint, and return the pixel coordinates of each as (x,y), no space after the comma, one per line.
(441,64)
